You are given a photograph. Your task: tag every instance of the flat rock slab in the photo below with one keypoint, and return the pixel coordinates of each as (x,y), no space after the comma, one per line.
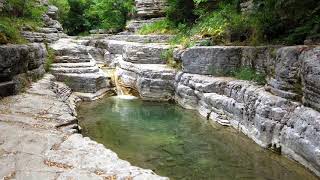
(152,81)
(37,140)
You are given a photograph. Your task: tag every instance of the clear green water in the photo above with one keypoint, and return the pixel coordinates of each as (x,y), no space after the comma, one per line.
(179,144)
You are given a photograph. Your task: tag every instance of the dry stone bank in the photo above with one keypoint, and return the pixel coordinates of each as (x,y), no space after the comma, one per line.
(39,140)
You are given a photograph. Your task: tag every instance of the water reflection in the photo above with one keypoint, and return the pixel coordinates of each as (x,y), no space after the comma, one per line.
(179,144)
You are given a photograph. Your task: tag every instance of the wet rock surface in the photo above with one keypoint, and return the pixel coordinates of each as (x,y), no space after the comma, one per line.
(271,121)
(39,140)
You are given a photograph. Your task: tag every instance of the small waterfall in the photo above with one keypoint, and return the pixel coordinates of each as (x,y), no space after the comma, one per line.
(119,89)
(121,92)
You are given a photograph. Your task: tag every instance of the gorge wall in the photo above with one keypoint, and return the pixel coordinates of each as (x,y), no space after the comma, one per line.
(282,115)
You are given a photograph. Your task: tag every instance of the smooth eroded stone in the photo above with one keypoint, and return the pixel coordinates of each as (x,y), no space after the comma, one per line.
(145,53)
(152,81)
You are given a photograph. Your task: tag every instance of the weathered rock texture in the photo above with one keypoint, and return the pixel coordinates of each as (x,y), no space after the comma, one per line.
(291,72)
(52,30)
(39,141)
(19,65)
(152,81)
(150,8)
(133,48)
(271,121)
(221,60)
(296,75)
(139,64)
(136,24)
(75,66)
(283,115)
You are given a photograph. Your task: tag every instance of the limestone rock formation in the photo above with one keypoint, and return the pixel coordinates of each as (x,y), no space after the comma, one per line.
(152,81)
(215,60)
(136,24)
(19,64)
(144,53)
(52,30)
(76,67)
(39,140)
(310,72)
(269,120)
(150,8)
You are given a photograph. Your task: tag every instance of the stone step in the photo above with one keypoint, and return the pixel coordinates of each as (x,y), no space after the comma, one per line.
(136,24)
(75,70)
(72,59)
(86,82)
(140,53)
(48,30)
(141,38)
(74,65)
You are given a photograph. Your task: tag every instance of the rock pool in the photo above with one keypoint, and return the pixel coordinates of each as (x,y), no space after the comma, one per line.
(179,144)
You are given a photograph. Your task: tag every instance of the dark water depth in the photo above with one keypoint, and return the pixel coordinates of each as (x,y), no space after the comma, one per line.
(179,144)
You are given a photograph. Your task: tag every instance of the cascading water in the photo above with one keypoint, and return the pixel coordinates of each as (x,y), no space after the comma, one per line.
(121,93)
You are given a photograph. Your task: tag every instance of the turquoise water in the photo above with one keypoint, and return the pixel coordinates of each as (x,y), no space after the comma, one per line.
(179,144)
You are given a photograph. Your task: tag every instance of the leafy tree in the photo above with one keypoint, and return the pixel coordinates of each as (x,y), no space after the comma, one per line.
(109,14)
(76,21)
(63,7)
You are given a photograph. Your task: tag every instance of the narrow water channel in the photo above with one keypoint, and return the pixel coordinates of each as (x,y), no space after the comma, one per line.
(179,144)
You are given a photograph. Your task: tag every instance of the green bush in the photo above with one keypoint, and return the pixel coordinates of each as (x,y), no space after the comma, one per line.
(24,9)
(10,29)
(168,57)
(16,15)
(181,11)
(109,14)
(50,59)
(159,27)
(75,21)
(250,74)
(270,22)
(85,15)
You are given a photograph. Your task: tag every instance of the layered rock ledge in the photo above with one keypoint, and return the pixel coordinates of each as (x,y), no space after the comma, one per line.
(19,65)
(282,115)
(75,66)
(38,139)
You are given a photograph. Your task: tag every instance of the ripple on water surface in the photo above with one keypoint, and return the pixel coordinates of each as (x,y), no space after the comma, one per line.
(179,144)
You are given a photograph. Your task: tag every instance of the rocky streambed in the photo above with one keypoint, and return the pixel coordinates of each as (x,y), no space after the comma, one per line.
(281,115)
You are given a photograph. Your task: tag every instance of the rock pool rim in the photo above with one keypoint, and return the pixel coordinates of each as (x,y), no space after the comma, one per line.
(211,125)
